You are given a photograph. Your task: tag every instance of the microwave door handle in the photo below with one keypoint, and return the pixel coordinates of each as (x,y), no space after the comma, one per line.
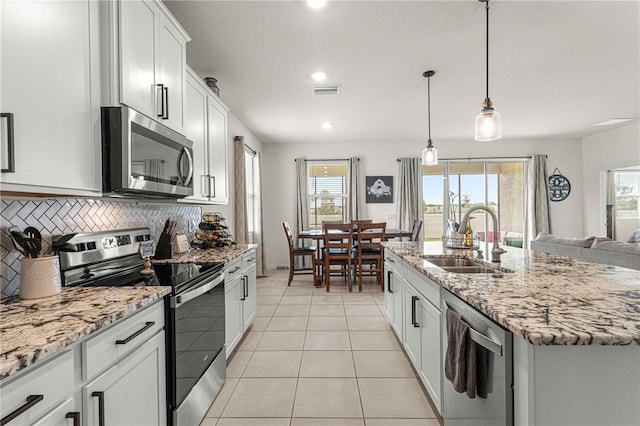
(187,179)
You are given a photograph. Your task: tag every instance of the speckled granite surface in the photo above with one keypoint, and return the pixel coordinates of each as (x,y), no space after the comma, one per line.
(547,300)
(31,330)
(212,255)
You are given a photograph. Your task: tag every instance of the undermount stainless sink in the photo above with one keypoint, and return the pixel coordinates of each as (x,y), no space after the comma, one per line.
(462,265)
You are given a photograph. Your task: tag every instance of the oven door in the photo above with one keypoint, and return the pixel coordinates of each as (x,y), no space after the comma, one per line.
(141,156)
(196,349)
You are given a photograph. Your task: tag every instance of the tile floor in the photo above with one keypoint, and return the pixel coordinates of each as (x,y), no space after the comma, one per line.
(313,358)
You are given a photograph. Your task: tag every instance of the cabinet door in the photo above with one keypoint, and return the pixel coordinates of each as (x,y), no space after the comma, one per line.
(138,49)
(132,391)
(389,295)
(196,130)
(49,51)
(411,324)
(217,151)
(249,306)
(430,366)
(171,74)
(234,291)
(64,414)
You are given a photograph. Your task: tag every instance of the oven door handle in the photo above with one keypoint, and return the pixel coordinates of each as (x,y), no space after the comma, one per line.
(178,300)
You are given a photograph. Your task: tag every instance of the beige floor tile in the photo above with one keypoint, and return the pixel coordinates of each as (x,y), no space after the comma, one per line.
(272,397)
(362,310)
(250,341)
(358,298)
(401,422)
(273,364)
(268,300)
(281,341)
(265,310)
(326,310)
(326,422)
(364,323)
(227,421)
(292,311)
(331,397)
(382,364)
(327,323)
(223,397)
(270,291)
(327,364)
(259,323)
(305,290)
(327,340)
(374,340)
(209,421)
(287,324)
(326,299)
(237,363)
(295,300)
(410,403)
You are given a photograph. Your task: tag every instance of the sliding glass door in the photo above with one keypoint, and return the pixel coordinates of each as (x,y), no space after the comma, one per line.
(454,187)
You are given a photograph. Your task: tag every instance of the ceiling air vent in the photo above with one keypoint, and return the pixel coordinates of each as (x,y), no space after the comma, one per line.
(326,90)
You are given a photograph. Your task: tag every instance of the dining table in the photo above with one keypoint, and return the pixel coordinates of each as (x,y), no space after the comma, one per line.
(318,236)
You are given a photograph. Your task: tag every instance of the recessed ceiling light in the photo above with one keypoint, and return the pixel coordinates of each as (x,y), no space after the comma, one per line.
(319,76)
(613,122)
(316,4)
(327,125)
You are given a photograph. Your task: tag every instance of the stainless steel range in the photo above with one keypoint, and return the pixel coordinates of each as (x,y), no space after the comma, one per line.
(194,311)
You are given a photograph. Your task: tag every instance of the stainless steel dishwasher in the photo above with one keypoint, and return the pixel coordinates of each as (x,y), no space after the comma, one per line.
(497,408)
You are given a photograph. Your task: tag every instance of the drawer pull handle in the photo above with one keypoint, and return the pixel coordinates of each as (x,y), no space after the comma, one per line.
(31,401)
(236,269)
(75,415)
(100,396)
(147,326)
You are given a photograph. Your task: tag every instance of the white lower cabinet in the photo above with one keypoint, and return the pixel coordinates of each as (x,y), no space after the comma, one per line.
(132,392)
(240,298)
(129,389)
(430,362)
(393,292)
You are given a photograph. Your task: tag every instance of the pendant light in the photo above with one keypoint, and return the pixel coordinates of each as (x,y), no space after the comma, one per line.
(489,121)
(429,154)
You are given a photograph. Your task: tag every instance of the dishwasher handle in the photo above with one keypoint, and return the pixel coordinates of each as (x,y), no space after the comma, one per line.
(486,342)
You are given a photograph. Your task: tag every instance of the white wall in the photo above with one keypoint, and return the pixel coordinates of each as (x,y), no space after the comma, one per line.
(380,159)
(234,128)
(619,147)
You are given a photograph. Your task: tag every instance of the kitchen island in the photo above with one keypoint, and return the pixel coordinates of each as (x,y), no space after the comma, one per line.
(575,325)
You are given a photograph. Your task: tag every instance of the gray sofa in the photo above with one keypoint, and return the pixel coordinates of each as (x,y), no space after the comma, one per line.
(592,249)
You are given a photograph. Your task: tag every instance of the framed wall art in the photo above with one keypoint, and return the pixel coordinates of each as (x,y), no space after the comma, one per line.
(379,189)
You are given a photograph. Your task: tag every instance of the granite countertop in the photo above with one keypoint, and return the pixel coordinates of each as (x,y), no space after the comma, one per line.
(547,299)
(211,255)
(31,330)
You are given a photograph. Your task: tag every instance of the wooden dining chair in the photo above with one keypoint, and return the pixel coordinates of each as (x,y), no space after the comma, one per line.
(299,252)
(338,240)
(415,231)
(355,222)
(369,251)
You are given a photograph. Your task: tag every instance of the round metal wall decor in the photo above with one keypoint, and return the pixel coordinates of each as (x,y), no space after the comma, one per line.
(559,186)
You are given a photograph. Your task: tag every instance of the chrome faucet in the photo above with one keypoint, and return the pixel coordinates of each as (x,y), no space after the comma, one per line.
(496,251)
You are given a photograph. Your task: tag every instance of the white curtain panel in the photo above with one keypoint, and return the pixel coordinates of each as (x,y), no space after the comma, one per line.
(354,203)
(409,192)
(301,218)
(259,225)
(538,218)
(240,197)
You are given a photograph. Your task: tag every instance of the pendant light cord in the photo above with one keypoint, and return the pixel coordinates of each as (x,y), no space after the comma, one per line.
(487,49)
(429,104)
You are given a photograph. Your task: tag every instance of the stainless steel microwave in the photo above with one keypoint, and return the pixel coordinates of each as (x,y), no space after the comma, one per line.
(141,157)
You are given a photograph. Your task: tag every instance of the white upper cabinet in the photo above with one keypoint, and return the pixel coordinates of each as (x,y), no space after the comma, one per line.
(152,57)
(206,126)
(50,97)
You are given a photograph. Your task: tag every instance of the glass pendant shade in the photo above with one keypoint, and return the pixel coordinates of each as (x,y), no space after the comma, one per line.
(488,125)
(429,156)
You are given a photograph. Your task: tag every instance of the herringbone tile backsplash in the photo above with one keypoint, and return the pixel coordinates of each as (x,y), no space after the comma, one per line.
(70,215)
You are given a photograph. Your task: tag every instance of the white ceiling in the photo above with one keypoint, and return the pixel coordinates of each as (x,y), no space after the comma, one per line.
(556,67)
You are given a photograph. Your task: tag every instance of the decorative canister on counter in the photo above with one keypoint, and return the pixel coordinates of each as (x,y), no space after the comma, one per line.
(39,277)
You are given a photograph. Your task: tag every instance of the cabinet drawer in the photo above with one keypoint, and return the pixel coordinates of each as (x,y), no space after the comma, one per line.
(53,381)
(248,259)
(429,289)
(104,349)
(232,269)
(393,262)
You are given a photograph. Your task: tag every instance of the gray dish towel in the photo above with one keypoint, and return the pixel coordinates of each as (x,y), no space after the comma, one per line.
(454,360)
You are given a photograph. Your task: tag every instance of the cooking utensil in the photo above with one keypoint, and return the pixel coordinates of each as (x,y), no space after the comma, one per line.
(31,246)
(11,230)
(32,232)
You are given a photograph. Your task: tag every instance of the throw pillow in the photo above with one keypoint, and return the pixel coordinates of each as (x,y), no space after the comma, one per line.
(635,237)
